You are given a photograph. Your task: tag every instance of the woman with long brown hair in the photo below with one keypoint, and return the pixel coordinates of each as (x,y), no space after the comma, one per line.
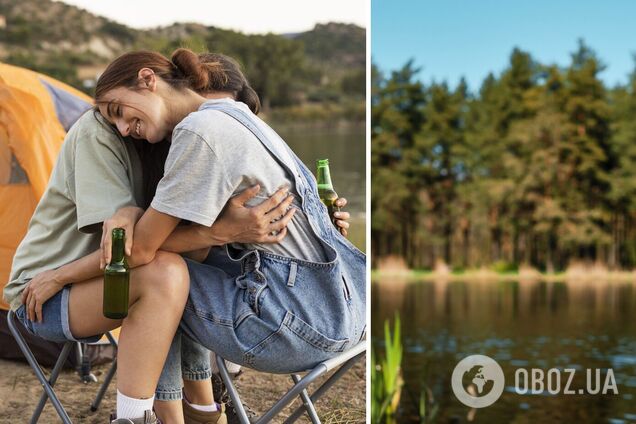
(195,369)
(295,303)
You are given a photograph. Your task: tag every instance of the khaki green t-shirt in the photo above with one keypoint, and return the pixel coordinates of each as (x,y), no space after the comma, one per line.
(96,173)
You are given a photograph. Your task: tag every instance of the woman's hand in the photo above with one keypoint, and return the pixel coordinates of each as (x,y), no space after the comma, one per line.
(125,218)
(264,223)
(340,218)
(40,289)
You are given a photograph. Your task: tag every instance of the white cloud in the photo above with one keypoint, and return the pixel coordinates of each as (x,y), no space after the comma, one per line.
(249,16)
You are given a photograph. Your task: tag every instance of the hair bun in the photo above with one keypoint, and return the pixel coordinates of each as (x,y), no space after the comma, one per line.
(188,63)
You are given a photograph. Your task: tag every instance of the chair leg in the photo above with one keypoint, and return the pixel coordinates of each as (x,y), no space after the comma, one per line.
(36,367)
(307,403)
(325,386)
(79,354)
(231,390)
(278,406)
(292,393)
(109,376)
(66,350)
(104,386)
(84,365)
(299,389)
(112,340)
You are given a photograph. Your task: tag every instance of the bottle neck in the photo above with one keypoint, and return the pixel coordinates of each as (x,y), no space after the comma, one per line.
(118,250)
(324,178)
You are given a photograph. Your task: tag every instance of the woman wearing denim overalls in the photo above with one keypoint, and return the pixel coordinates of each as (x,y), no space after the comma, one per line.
(292,305)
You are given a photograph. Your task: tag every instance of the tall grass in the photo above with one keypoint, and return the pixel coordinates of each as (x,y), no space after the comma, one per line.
(387,382)
(386,376)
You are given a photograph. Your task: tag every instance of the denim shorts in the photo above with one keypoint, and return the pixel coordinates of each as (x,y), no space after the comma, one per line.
(54,326)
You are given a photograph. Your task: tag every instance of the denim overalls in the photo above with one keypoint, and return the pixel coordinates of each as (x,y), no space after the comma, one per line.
(275,313)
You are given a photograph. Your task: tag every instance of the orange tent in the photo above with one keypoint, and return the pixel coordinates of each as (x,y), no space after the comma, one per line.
(35,113)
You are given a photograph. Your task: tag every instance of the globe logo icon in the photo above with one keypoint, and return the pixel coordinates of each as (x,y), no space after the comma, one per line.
(477,381)
(475,377)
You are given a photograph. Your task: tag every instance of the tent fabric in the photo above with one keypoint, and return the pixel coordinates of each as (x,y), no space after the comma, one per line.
(35,113)
(68,107)
(17,203)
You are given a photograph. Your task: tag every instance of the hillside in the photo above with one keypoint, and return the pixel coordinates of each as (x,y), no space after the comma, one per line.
(323,65)
(337,44)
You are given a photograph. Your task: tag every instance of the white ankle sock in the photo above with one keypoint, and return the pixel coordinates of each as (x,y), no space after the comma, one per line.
(128,407)
(204,408)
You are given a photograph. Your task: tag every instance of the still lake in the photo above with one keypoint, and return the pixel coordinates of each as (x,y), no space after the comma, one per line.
(345,149)
(527,325)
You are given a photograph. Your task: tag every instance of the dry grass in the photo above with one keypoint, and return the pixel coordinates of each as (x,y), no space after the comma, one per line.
(344,415)
(19,393)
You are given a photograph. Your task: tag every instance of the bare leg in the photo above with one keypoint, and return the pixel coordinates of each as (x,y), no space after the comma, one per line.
(193,358)
(169,411)
(158,293)
(199,391)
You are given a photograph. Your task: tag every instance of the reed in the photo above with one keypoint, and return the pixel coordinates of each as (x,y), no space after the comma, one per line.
(386,376)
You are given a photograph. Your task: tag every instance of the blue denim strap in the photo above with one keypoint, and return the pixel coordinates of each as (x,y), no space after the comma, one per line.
(247,121)
(305,183)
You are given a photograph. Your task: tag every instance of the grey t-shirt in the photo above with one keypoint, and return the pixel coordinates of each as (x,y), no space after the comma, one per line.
(214,157)
(96,173)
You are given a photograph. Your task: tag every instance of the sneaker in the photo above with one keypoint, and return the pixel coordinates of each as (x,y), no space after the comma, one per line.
(232,415)
(218,388)
(148,418)
(194,416)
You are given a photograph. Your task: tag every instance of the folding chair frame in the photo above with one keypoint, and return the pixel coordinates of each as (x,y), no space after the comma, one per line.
(47,384)
(345,361)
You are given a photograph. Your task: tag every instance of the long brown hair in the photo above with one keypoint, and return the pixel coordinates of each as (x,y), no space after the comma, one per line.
(230,79)
(185,69)
(202,73)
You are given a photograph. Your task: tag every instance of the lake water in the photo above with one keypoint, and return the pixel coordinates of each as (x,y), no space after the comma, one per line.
(345,149)
(529,325)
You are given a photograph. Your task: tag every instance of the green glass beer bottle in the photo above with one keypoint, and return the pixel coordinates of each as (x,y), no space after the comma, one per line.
(116,279)
(327,194)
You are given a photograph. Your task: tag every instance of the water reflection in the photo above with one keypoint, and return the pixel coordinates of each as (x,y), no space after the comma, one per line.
(529,324)
(345,149)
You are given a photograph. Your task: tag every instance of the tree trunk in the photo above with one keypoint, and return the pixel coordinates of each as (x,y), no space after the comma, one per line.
(466,247)
(549,260)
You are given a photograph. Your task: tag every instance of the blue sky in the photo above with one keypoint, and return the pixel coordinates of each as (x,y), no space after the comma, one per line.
(453,38)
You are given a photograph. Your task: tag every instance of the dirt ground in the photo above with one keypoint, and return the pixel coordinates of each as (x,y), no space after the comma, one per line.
(20,391)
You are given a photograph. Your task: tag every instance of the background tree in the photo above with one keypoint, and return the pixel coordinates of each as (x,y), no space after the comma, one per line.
(537,167)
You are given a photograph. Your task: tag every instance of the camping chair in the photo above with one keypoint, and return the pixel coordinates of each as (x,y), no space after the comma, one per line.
(345,361)
(49,393)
